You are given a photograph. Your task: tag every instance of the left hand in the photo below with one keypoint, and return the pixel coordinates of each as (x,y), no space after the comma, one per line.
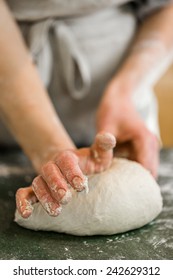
(66,167)
(117,115)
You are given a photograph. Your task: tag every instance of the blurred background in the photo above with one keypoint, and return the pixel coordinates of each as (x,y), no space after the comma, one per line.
(164,93)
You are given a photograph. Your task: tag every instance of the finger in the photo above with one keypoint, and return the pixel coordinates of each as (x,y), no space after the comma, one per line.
(103,146)
(56,183)
(68,164)
(147,151)
(25,197)
(43,194)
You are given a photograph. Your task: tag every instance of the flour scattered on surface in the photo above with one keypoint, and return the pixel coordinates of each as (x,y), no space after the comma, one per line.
(109,240)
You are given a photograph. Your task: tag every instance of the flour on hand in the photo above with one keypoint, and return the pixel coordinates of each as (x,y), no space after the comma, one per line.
(122,198)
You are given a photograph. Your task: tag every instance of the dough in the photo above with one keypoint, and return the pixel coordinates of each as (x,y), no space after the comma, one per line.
(122,198)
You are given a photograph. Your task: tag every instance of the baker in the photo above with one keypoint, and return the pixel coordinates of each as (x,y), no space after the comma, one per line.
(73,70)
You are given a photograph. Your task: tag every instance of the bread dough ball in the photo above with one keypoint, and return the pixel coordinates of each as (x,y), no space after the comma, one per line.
(122,198)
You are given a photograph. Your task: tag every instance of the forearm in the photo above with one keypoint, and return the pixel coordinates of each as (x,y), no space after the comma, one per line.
(152,46)
(24,104)
(27,111)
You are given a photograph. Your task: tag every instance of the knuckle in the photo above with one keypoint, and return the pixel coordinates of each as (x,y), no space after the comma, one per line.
(19,192)
(46,167)
(66,155)
(53,187)
(36,181)
(44,198)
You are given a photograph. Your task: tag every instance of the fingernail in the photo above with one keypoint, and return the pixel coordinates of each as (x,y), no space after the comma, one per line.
(57,211)
(61,193)
(80,184)
(52,209)
(28,206)
(67,197)
(26,209)
(106,141)
(26,214)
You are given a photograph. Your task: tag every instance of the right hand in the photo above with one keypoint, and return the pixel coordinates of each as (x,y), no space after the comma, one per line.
(118,115)
(68,167)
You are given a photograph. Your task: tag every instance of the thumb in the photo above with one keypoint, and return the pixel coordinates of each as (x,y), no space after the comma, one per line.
(146,151)
(25,198)
(103,145)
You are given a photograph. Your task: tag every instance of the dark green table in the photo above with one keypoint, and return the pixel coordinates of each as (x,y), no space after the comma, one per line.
(154,241)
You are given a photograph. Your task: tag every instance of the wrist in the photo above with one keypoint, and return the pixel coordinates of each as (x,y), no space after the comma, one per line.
(48,153)
(120,87)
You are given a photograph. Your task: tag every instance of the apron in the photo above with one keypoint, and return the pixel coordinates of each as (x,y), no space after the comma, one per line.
(76,56)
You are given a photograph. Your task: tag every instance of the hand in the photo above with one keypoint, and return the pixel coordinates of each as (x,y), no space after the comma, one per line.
(67,167)
(117,115)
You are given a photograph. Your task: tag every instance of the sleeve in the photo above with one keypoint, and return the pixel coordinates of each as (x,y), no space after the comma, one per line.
(144,8)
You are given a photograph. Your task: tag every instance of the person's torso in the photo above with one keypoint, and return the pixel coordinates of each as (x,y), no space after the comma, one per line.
(31,10)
